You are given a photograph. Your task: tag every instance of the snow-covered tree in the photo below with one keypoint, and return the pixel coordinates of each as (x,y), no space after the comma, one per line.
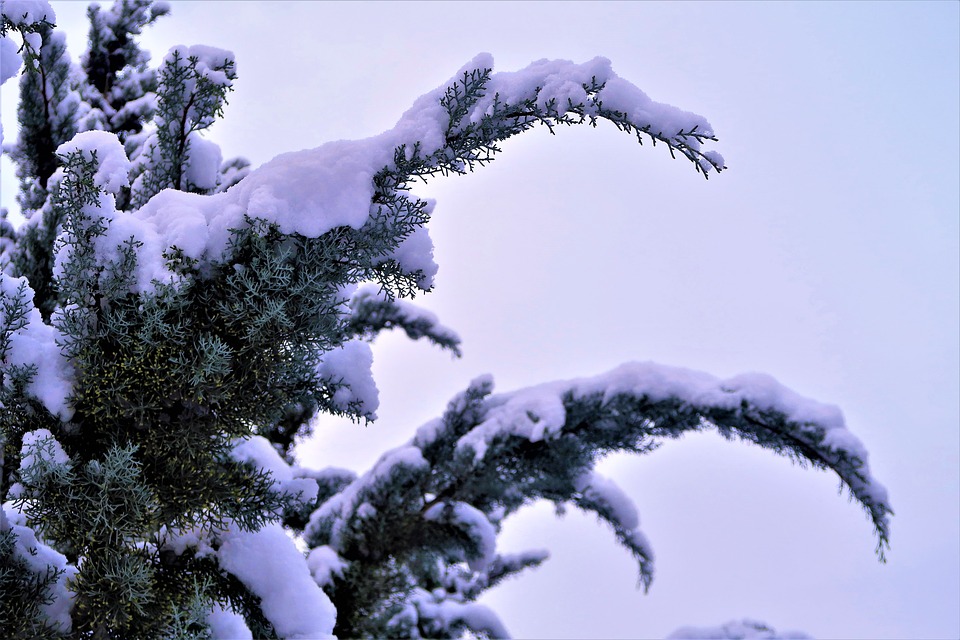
(170,324)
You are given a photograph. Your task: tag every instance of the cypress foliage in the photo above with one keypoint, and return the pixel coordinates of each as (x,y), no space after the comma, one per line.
(152,397)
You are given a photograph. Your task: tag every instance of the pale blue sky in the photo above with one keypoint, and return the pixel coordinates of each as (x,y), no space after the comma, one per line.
(827,256)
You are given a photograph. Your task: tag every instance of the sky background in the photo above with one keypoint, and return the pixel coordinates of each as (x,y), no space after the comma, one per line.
(827,256)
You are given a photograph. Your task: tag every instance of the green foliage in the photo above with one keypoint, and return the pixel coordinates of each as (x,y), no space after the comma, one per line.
(117,78)
(192,98)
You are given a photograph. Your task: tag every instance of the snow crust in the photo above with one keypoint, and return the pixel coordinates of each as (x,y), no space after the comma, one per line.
(604,492)
(409,312)
(602,489)
(269,564)
(23,13)
(35,344)
(198,538)
(538,413)
(10,62)
(416,253)
(10,59)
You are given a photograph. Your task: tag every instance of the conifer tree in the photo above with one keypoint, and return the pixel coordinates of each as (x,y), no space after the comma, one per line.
(169,325)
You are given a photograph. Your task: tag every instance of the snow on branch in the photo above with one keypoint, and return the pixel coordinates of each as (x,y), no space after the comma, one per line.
(269,564)
(29,351)
(372,311)
(489,455)
(363,183)
(648,401)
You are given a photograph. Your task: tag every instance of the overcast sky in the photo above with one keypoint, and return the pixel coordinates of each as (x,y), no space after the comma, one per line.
(827,256)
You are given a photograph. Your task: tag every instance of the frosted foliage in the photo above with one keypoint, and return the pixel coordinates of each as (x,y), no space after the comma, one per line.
(736,630)
(113,167)
(35,345)
(350,367)
(227,625)
(26,12)
(40,558)
(269,564)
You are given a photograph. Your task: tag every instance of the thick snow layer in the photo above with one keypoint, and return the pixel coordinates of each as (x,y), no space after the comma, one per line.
(736,630)
(10,62)
(227,625)
(25,12)
(269,564)
(35,344)
(40,558)
(113,167)
(350,365)
(203,162)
